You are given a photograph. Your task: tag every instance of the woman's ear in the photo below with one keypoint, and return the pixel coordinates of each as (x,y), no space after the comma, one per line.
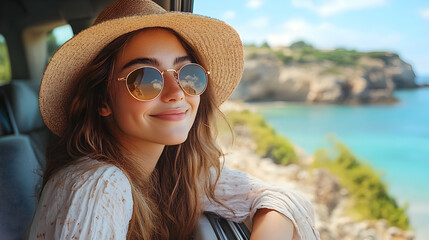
(104,110)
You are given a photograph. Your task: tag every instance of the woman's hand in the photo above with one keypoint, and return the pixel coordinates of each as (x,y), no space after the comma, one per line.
(271,225)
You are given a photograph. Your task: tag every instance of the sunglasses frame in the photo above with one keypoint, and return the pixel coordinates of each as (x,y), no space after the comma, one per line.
(175,75)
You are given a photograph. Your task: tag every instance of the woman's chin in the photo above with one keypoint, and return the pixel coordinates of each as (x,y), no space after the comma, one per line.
(172,138)
(175,141)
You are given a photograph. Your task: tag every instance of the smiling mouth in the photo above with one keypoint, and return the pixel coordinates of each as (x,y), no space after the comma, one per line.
(171,115)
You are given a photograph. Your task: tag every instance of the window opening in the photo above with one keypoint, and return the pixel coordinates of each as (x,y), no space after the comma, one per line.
(5,71)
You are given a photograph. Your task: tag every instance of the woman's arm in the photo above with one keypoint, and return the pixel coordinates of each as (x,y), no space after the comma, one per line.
(246,195)
(271,225)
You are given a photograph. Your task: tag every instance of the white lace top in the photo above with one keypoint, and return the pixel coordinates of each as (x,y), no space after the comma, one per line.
(97,204)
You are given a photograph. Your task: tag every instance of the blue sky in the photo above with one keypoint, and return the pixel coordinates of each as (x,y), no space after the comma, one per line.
(366,25)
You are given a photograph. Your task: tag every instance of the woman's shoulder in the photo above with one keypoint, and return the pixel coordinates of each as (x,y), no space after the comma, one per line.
(89,175)
(90,196)
(89,168)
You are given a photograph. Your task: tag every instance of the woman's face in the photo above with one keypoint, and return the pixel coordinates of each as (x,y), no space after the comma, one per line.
(165,120)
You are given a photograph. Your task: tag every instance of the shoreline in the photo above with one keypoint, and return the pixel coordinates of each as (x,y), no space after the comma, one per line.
(280,103)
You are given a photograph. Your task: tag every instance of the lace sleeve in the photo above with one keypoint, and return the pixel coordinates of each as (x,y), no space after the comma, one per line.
(94,205)
(245,194)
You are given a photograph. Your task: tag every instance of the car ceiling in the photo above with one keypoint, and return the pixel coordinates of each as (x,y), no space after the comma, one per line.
(24,22)
(20,14)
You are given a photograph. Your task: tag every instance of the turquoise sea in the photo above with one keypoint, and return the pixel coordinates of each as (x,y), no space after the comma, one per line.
(394,139)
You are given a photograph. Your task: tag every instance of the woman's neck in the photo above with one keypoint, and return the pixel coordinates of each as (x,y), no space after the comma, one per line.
(143,156)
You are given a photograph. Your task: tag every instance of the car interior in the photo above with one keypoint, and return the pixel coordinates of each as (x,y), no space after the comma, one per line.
(24,24)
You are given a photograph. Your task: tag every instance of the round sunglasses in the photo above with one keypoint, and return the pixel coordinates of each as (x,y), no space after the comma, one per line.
(146,83)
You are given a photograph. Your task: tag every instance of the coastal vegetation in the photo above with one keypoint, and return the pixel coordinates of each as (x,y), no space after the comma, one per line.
(302,52)
(268,143)
(369,196)
(368,192)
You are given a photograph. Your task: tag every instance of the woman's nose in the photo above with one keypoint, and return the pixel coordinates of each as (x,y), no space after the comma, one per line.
(172,92)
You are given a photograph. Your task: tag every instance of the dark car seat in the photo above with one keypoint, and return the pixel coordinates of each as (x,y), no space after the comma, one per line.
(23,140)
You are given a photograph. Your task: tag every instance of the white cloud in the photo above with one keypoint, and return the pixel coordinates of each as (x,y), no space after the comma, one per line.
(332,7)
(260,22)
(296,25)
(228,15)
(425,14)
(254,4)
(328,36)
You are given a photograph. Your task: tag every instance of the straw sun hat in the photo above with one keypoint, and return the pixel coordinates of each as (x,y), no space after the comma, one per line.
(216,44)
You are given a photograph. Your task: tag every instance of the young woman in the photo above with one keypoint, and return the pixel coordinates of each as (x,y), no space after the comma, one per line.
(133,100)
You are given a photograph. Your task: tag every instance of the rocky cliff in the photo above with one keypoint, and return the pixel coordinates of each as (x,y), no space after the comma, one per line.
(305,74)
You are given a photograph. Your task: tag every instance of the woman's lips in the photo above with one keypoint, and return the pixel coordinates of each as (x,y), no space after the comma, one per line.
(171,114)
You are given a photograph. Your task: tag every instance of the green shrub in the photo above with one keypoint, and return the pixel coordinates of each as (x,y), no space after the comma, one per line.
(384,56)
(301,45)
(284,58)
(368,192)
(265,45)
(339,56)
(380,55)
(305,51)
(5,72)
(253,55)
(268,142)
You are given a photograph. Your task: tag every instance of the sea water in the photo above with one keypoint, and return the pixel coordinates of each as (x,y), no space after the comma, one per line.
(394,139)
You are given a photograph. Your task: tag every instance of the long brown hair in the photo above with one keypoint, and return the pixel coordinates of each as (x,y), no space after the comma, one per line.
(170,209)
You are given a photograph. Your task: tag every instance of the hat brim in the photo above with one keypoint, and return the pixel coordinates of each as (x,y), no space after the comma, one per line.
(217,43)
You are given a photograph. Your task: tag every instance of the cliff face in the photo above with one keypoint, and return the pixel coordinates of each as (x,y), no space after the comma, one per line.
(290,75)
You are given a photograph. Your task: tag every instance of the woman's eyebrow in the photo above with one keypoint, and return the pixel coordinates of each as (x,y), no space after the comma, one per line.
(154,62)
(151,61)
(182,59)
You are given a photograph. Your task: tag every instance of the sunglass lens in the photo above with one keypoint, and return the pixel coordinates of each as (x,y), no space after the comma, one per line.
(145,83)
(193,79)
